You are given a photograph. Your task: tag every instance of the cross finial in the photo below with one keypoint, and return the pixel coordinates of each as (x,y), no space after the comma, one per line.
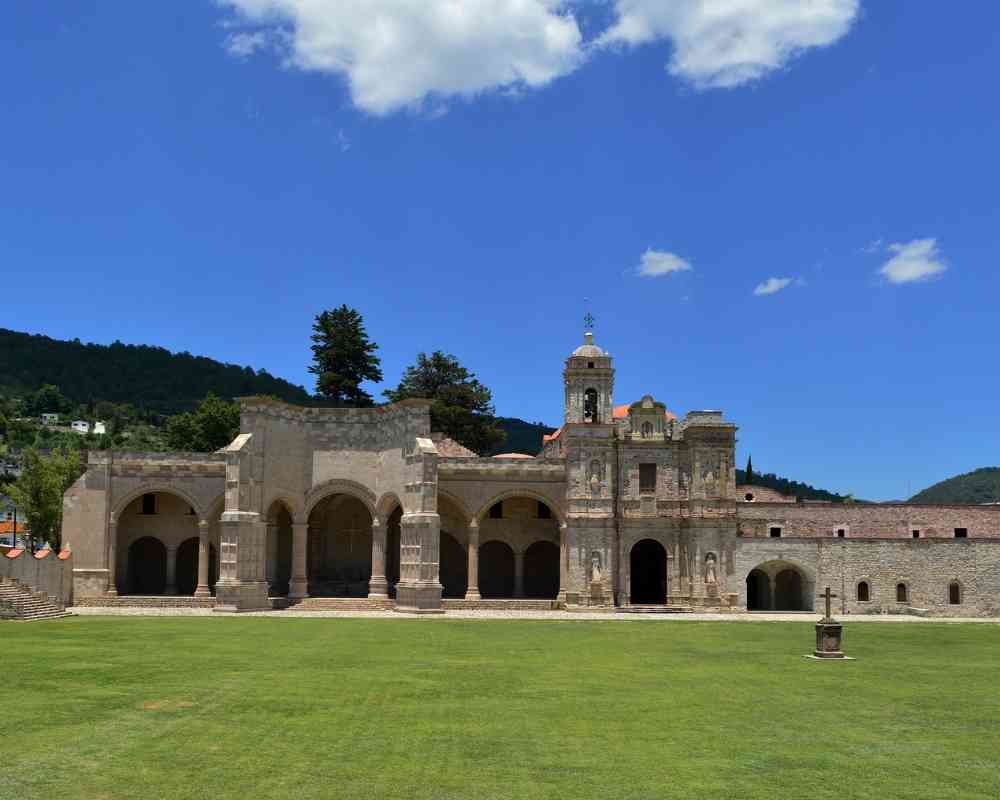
(828,596)
(588,321)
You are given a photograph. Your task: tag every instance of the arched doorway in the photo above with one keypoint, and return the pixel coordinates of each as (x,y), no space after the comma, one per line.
(541,571)
(496,569)
(187,566)
(648,570)
(788,591)
(278,571)
(758,591)
(452,567)
(392,550)
(147,566)
(339,553)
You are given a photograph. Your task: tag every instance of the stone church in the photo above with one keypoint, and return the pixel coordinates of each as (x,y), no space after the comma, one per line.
(627,508)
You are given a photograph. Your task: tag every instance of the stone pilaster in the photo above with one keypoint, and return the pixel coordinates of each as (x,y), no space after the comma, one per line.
(298,588)
(378,586)
(472,593)
(241,586)
(563,564)
(419,589)
(202,589)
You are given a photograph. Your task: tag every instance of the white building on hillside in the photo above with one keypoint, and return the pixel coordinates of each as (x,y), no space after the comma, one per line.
(81,426)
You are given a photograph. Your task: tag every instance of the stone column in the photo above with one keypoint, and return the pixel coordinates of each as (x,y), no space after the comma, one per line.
(112,587)
(202,589)
(771,599)
(674,581)
(378,586)
(518,573)
(171,570)
(697,580)
(472,593)
(298,588)
(563,564)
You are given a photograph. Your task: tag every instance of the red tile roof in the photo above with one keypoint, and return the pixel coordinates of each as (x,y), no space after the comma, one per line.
(7,527)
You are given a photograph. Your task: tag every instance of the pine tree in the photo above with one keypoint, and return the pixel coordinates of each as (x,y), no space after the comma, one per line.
(343,357)
(749,480)
(462,407)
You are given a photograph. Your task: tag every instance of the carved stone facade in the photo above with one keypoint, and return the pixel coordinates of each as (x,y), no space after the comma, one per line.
(626,505)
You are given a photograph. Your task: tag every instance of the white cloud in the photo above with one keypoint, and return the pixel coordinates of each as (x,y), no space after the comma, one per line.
(725,43)
(771,286)
(656,263)
(914,261)
(397,53)
(245,43)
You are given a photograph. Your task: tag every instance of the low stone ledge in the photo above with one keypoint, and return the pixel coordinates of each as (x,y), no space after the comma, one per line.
(109,601)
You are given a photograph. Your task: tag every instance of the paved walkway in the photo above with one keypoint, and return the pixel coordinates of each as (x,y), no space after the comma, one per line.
(562,615)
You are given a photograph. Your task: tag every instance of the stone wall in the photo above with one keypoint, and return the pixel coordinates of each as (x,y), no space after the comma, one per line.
(44,571)
(926,567)
(868,520)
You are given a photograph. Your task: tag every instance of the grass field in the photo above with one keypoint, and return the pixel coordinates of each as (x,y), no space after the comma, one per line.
(179,708)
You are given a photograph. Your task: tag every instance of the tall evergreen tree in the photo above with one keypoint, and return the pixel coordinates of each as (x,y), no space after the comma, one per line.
(343,357)
(749,470)
(462,408)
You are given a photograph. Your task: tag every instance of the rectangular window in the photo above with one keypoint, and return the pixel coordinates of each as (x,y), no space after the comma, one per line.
(916,534)
(544,512)
(149,503)
(647,477)
(496,510)
(775,533)
(961,533)
(841,533)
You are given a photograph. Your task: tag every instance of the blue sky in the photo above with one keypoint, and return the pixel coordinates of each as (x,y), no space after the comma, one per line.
(208,176)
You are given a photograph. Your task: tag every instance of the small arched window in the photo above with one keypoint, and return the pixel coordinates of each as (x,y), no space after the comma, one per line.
(647,430)
(590,406)
(954,593)
(864,593)
(902,595)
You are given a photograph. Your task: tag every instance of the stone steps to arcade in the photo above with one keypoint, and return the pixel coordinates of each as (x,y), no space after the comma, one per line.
(337,604)
(667,609)
(27,604)
(499,604)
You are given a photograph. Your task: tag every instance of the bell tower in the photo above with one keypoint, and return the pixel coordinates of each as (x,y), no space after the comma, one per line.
(590,382)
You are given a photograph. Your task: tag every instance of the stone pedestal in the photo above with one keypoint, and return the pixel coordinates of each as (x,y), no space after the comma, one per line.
(828,639)
(241,585)
(419,590)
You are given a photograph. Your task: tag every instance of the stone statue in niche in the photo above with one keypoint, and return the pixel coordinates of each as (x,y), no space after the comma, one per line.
(595,567)
(596,473)
(711,577)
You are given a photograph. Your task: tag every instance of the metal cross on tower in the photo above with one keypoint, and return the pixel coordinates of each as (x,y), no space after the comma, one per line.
(588,321)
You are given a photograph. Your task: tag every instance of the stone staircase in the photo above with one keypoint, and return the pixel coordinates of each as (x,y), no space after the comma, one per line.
(668,609)
(27,604)
(337,604)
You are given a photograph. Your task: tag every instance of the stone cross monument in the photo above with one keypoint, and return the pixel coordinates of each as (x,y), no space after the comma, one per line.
(829,633)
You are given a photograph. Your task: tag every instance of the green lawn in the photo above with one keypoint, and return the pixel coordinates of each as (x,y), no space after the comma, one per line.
(178,708)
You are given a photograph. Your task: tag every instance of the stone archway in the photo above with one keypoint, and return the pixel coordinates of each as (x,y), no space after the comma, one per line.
(648,573)
(758,591)
(788,591)
(339,550)
(147,566)
(541,571)
(452,567)
(496,569)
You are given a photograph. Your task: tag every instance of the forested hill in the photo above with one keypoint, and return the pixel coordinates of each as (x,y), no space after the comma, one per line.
(522,437)
(976,488)
(803,491)
(147,377)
